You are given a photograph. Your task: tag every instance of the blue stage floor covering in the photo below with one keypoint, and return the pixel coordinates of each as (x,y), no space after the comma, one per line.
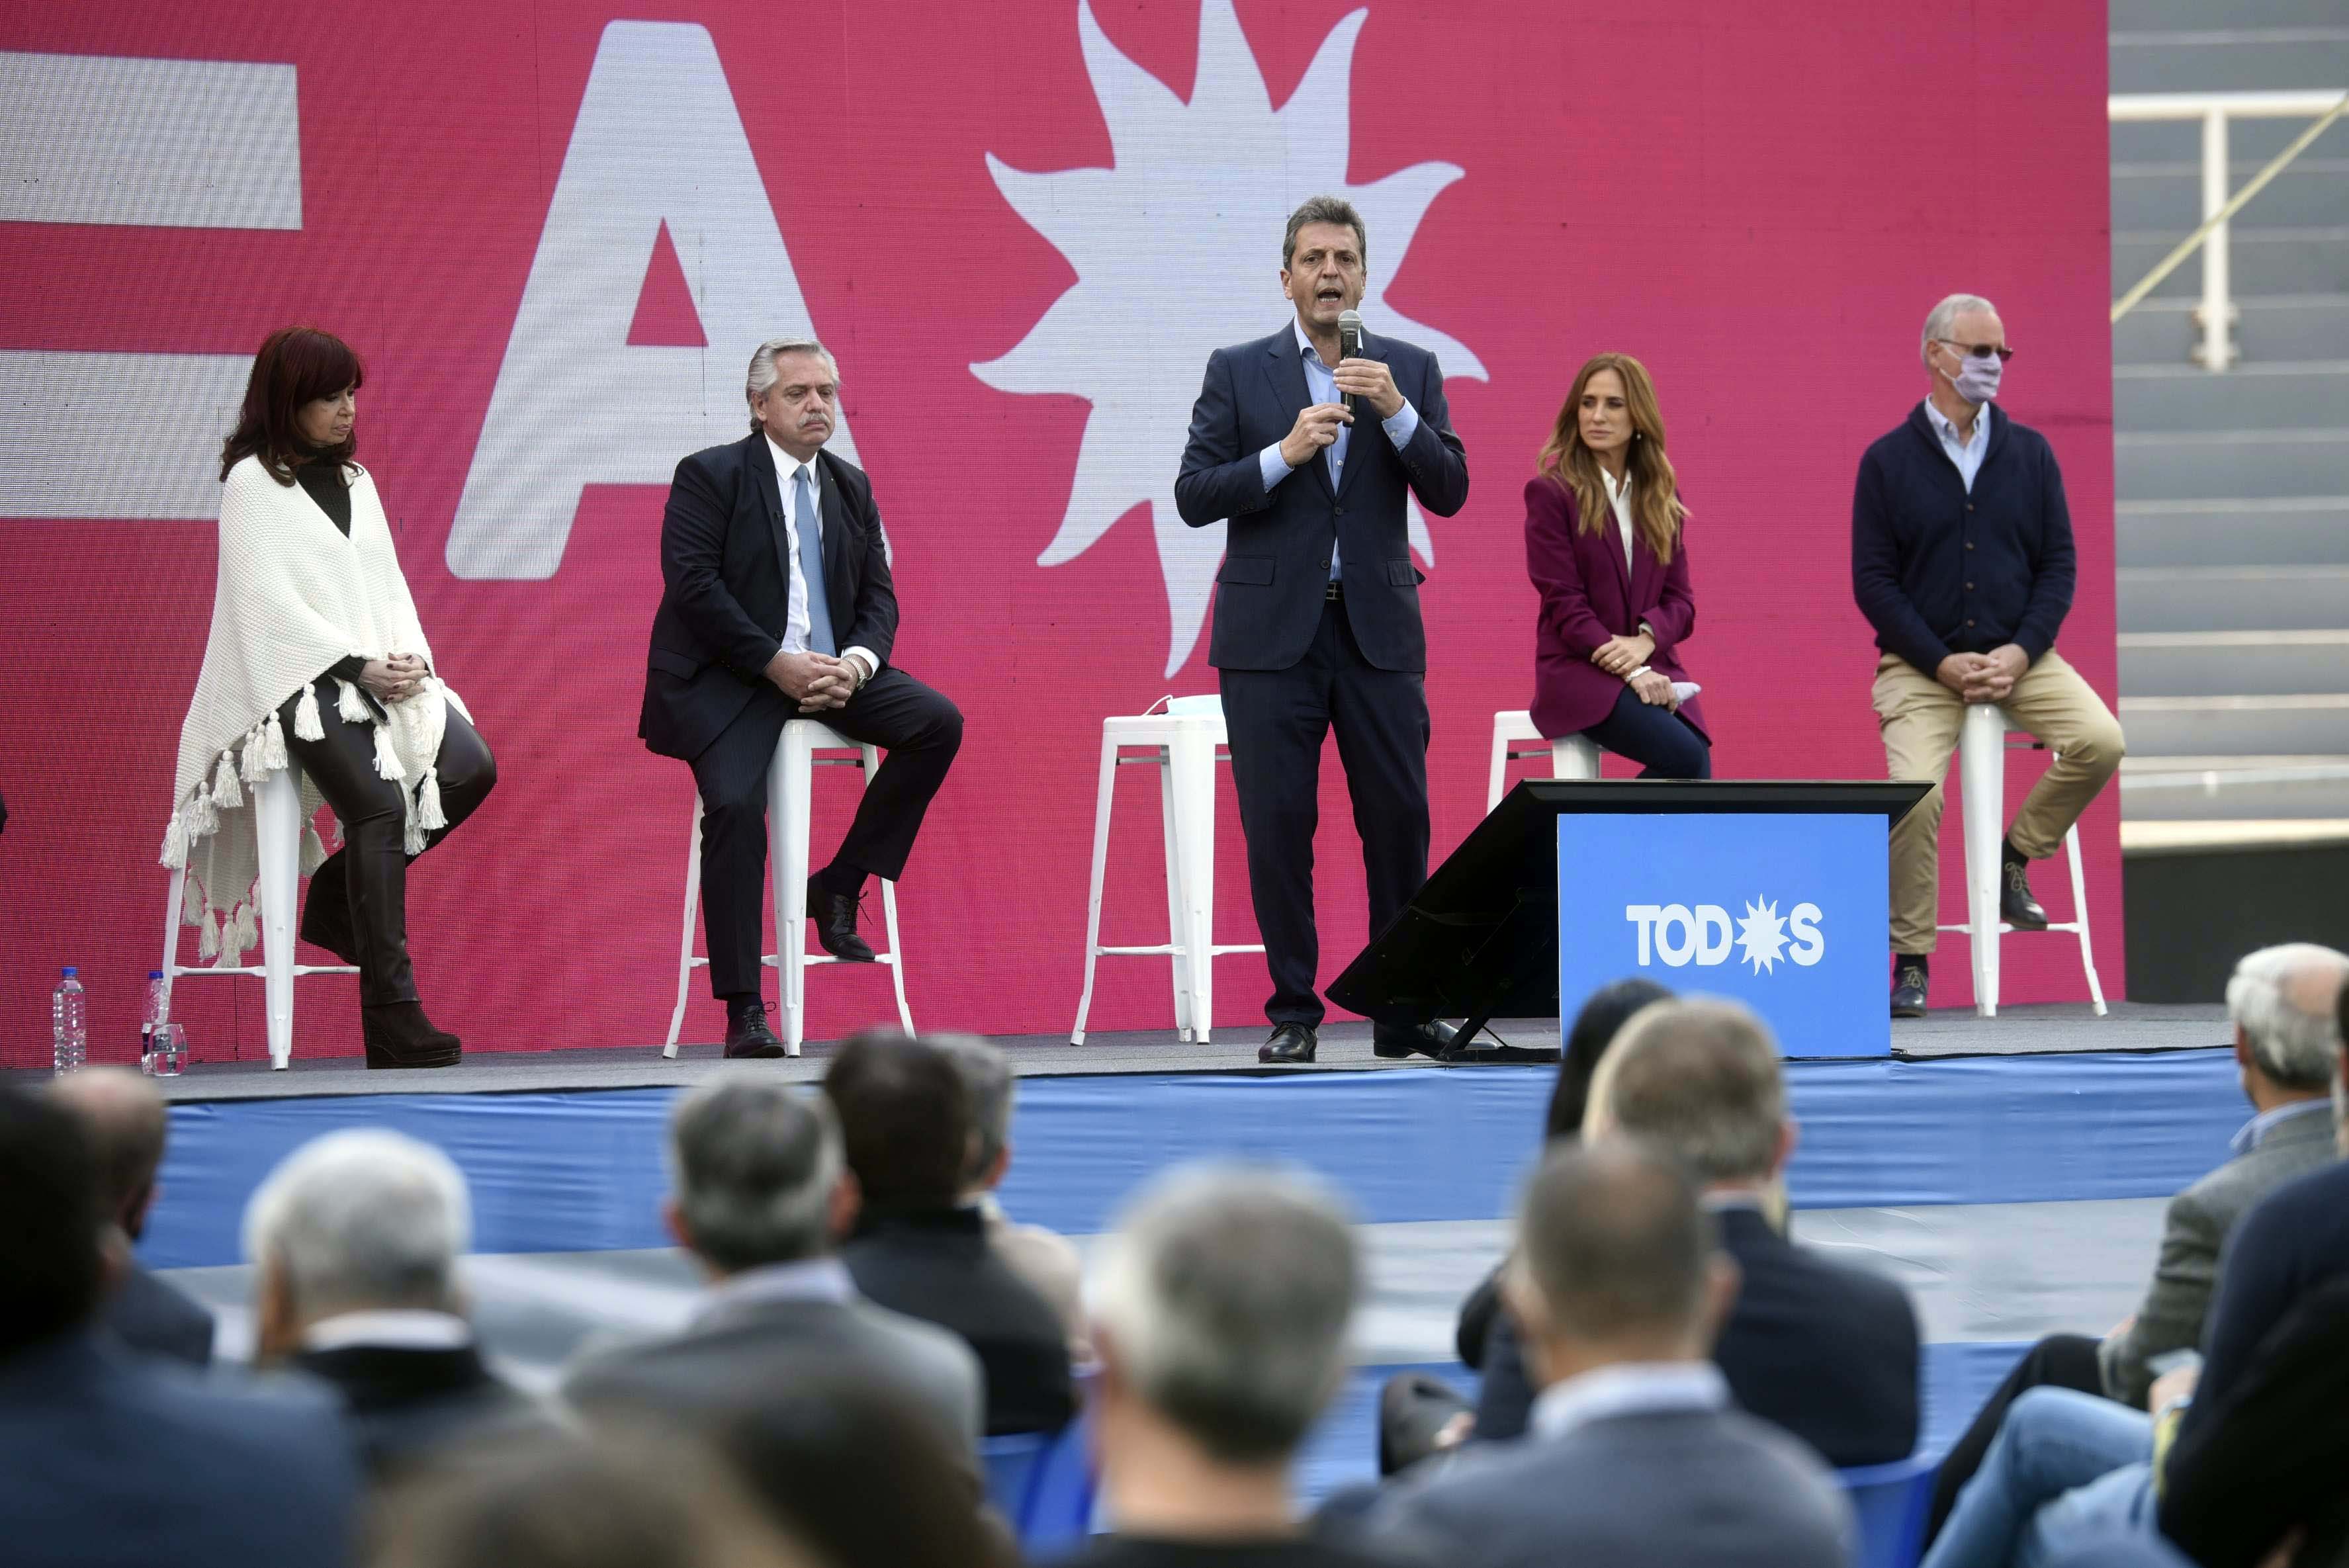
(581,1173)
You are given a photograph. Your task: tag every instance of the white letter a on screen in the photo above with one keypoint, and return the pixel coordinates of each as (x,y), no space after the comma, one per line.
(658,140)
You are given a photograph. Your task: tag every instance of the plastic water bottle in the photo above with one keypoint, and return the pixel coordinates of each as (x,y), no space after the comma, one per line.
(147,1022)
(69,1023)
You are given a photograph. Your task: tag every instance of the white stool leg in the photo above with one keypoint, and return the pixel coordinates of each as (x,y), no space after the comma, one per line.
(1573,756)
(1101,865)
(1193,766)
(1179,937)
(790,788)
(872,759)
(1981,766)
(692,909)
(171,935)
(2080,917)
(277,830)
(1500,774)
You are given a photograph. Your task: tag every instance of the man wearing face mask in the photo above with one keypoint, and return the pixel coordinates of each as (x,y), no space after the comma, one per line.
(1961,559)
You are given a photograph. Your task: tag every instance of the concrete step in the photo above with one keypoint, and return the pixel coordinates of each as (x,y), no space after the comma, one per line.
(2204,726)
(2290,530)
(2176,465)
(2260,262)
(2257,394)
(2179,16)
(2183,790)
(2233,599)
(2219,59)
(2251,142)
(2241,663)
(2312,192)
(2274,329)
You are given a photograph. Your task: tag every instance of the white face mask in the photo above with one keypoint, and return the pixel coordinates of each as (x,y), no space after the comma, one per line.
(1978,376)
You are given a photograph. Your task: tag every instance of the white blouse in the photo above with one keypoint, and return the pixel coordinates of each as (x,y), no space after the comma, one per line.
(1620,499)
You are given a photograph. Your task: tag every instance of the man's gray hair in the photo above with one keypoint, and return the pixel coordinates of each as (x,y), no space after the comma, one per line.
(1700,1077)
(1325,209)
(1612,1238)
(763,374)
(1224,1294)
(1938,320)
(366,1218)
(754,1165)
(986,1078)
(2285,999)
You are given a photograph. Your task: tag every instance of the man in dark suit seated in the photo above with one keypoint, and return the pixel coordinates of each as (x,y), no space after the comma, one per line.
(906,1118)
(111,1460)
(354,1238)
(1824,1350)
(776,603)
(127,1122)
(761,1200)
(1636,1454)
(2281,1002)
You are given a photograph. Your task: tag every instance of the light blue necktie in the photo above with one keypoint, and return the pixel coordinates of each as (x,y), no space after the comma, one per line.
(818,605)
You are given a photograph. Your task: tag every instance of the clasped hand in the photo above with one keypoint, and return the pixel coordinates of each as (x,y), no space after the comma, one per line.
(1983,677)
(396,678)
(815,681)
(1621,655)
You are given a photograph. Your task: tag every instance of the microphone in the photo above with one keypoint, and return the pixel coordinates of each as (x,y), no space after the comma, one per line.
(1350,345)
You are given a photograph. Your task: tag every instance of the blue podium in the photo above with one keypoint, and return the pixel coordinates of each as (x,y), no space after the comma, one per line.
(1772,891)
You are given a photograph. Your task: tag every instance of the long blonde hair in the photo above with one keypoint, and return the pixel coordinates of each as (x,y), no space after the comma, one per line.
(1656,509)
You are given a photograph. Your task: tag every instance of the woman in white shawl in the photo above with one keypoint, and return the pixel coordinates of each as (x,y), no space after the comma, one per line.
(316,659)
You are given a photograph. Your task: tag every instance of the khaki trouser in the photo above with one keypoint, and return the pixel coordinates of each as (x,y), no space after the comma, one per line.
(1920,718)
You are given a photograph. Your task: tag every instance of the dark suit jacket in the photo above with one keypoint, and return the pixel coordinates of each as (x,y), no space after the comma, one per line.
(726,570)
(1276,572)
(1587,597)
(1826,1350)
(405,1402)
(111,1460)
(158,1318)
(937,1266)
(1631,1491)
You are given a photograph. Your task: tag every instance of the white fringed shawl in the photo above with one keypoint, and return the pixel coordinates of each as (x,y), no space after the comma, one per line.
(295,598)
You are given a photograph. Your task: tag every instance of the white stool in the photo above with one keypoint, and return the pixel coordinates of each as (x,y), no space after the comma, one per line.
(277,840)
(790,778)
(1982,774)
(1183,743)
(1571,757)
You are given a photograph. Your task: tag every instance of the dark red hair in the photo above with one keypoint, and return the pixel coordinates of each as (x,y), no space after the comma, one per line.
(299,365)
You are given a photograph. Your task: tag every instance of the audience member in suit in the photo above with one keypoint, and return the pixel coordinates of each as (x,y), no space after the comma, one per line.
(1419,1414)
(2068,1467)
(860,1475)
(629,1499)
(354,1238)
(127,1122)
(918,1248)
(2281,1002)
(112,1460)
(1220,1311)
(1045,1259)
(1636,1455)
(761,1200)
(1826,1350)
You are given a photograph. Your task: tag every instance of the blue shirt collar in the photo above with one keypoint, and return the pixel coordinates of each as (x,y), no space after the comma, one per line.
(2254,1132)
(1630,1388)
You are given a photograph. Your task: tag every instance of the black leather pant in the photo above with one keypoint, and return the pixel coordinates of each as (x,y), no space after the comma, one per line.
(358,898)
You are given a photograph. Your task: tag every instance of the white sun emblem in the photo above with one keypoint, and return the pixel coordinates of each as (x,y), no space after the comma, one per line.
(1762,934)
(1176,249)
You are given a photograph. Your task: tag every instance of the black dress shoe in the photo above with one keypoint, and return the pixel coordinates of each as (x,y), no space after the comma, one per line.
(398,1035)
(747,1035)
(1290,1043)
(1432,1038)
(834,914)
(1908,982)
(2015,905)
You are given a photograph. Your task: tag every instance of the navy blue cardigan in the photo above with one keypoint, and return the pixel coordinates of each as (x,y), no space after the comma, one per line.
(1938,571)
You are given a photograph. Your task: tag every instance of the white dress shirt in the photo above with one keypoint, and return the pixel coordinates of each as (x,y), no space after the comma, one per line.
(1619,498)
(1629,1388)
(795,614)
(399,1328)
(1321,386)
(1968,453)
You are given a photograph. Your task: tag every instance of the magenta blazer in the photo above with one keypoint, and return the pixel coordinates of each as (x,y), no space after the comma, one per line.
(1587,598)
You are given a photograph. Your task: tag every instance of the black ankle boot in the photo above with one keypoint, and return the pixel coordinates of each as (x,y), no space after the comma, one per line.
(398,1035)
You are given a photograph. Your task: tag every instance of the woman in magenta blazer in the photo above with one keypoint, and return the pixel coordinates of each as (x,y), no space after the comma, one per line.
(1603,544)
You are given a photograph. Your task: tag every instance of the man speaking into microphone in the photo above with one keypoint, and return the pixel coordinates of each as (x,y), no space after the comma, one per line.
(1317,606)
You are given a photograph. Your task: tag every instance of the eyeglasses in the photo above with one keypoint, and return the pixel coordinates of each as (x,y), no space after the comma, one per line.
(1979,350)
